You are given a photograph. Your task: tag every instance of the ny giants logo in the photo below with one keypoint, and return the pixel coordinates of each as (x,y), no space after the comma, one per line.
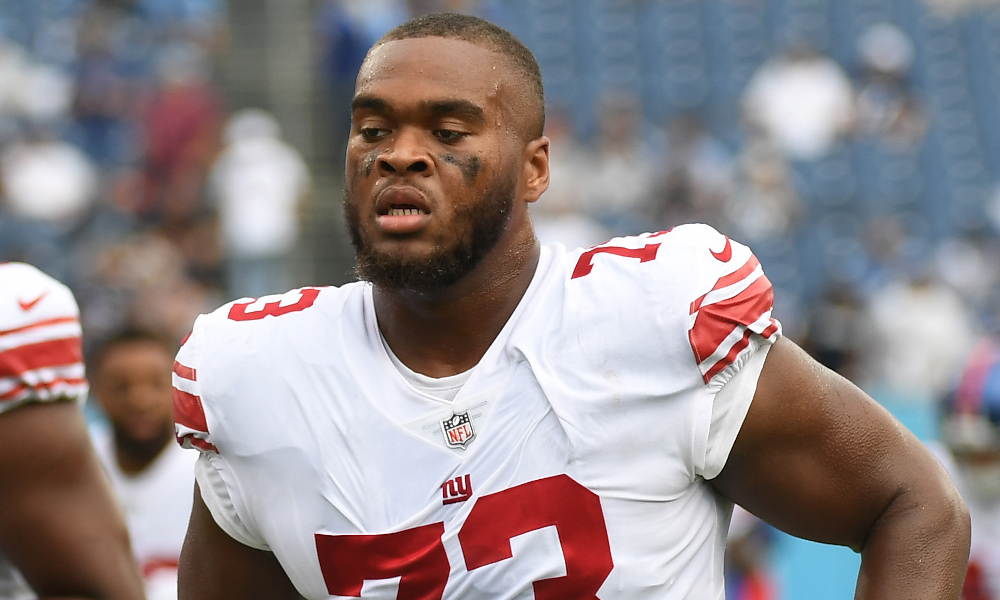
(455,490)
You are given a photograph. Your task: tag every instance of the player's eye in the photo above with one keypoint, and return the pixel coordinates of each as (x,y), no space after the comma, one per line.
(373,134)
(449,136)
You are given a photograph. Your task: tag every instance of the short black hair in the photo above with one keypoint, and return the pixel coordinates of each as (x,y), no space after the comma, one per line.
(129,335)
(481,33)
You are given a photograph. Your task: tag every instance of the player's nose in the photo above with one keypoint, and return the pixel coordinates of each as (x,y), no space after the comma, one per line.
(406,153)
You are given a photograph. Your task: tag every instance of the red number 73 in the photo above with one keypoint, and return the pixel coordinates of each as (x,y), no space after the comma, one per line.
(417,556)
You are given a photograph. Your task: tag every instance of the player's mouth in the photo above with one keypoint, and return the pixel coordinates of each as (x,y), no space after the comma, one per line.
(401,210)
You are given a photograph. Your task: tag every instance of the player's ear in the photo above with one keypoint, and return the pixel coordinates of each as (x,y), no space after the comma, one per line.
(535,172)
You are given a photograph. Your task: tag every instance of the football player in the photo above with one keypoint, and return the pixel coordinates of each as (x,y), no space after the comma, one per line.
(130,375)
(484,418)
(970,430)
(61,530)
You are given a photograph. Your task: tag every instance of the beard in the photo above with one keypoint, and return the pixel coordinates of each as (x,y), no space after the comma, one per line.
(479,226)
(144,450)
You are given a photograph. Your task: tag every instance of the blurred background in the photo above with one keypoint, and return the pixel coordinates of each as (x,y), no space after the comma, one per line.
(163,157)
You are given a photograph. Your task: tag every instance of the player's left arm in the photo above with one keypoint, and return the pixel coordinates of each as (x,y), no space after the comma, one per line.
(59,521)
(819,459)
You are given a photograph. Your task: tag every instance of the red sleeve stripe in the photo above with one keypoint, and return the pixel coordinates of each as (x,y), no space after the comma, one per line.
(46,323)
(728,292)
(715,322)
(189,412)
(190,440)
(770,330)
(730,357)
(14,393)
(714,364)
(41,377)
(185,372)
(733,278)
(53,353)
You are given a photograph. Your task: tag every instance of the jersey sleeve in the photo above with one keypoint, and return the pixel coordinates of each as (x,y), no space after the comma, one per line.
(730,330)
(190,420)
(733,307)
(41,357)
(218,487)
(211,474)
(729,409)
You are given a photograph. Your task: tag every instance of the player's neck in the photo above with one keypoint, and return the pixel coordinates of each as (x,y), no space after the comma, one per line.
(448,332)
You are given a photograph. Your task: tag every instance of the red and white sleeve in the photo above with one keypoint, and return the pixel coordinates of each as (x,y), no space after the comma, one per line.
(191,426)
(190,421)
(730,329)
(41,356)
(735,306)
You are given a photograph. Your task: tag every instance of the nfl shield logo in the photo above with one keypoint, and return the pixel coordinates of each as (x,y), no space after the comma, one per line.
(458,430)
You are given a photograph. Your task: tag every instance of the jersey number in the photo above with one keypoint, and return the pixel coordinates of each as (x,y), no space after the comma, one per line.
(238,312)
(417,556)
(586,262)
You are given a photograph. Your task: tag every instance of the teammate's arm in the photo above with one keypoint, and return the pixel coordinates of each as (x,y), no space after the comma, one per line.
(214,566)
(59,522)
(819,459)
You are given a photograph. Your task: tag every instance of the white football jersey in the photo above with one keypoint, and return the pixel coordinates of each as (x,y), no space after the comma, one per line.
(157,506)
(572,463)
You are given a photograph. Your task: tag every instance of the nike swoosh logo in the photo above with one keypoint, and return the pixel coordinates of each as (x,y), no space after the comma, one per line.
(26,306)
(726,254)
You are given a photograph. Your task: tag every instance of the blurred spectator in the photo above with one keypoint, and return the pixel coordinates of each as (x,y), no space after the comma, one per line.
(698,175)
(886,110)
(763,204)
(47,180)
(884,242)
(182,122)
(30,89)
(103,171)
(954,8)
(836,329)
(802,100)
(993,209)
(106,97)
(13,66)
(143,282)
(49,187)
(559,215)
(622,167)
(970,429)
(259,182)
(199,21)
(971,266)
(131,378)
(919,333)
(45,93)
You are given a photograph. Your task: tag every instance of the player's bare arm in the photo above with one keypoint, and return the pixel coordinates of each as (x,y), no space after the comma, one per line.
(59,522)
(214,566)
(819,459)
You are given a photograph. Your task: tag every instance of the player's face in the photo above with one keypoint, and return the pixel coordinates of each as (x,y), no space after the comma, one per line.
(133,385)
(432,162)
